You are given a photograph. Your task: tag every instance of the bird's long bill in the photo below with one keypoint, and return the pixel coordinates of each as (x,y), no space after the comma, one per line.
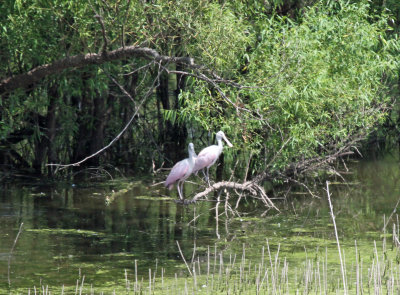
(227,141)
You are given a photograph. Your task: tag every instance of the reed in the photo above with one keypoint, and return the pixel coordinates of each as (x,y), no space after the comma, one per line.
(224,272)
(342,263)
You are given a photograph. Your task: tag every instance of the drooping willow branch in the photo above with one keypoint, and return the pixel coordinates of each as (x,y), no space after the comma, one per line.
(137,108)
(214,83)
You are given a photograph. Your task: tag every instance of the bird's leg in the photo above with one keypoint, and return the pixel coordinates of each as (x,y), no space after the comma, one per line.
(179,191)
(182,190)
(208,177)
(177,188)
(204,173)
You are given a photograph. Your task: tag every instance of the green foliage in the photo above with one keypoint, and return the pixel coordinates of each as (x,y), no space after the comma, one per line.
(312,83)
(220,37)
(318,84)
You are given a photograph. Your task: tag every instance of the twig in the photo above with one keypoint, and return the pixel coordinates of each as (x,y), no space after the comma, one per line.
(103,31)
(140,68)
(158,183)
(248,166)
(279,152)
(123,24)
(126,93)
(11,252)
(337,238)
(60,166)
(194,219)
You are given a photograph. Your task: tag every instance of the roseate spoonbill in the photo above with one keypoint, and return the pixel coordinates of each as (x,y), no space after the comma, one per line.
(209,155)
(181,171)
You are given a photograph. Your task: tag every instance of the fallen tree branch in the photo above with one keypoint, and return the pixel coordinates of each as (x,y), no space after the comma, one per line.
(81,60)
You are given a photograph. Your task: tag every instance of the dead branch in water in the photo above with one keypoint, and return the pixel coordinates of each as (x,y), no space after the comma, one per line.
(253,188)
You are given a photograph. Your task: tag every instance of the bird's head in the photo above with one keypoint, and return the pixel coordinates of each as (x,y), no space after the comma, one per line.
(221,135)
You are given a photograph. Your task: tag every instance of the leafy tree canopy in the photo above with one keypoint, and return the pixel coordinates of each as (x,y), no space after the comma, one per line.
(293,84)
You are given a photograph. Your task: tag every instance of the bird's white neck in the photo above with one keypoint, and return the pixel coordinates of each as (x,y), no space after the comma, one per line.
(220,146)
(192,156)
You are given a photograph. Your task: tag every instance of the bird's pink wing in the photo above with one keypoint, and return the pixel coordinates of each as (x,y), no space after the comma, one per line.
(177,172)
(205,151)
(203,161)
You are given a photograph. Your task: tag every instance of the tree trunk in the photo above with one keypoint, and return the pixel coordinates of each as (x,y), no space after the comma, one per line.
(100,117)
(51,134)
(43,146)
(40,147)
(84,117)
(180,131)
(220,168)
(166,131)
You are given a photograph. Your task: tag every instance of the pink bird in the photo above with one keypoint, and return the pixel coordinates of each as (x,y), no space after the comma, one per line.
(181,171)
(209,155)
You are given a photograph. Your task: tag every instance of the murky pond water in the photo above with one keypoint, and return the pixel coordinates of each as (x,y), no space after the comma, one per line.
(69,230)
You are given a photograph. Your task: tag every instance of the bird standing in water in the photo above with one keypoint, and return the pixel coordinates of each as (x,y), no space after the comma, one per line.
(209,155)
(181,171)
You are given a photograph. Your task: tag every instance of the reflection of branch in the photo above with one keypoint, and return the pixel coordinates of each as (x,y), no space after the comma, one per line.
(11,252)
(301,184)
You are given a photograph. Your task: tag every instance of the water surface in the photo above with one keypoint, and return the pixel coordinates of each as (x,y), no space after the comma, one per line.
(70,231)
